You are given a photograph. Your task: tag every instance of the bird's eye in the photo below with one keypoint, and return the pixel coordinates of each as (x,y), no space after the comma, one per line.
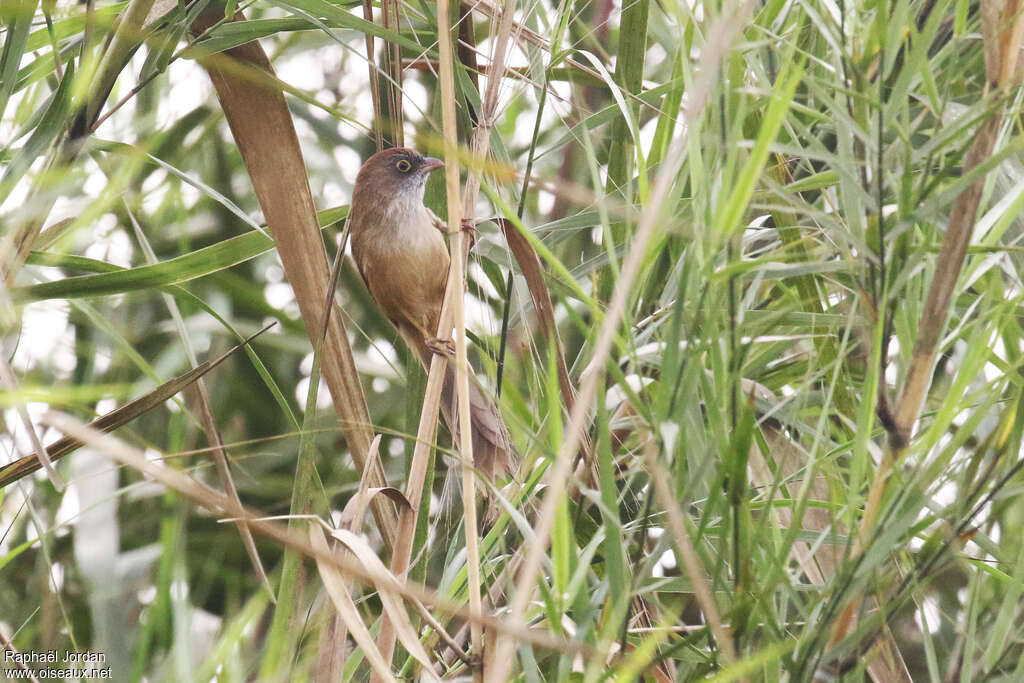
(403,165)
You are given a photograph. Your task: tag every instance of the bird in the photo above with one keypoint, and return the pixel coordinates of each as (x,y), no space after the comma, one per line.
(399,249)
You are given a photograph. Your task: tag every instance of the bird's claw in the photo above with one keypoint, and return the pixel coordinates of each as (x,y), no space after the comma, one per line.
(442,347)
(469,227)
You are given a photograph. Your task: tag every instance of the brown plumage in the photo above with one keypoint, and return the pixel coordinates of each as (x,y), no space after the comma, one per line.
(399,249)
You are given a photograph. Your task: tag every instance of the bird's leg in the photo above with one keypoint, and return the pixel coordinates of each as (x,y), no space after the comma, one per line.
(436,221)
(433,343)
(442,347)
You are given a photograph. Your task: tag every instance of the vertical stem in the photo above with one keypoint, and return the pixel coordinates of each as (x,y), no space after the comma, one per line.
(378,121)
(453,297)
(393,71)
(467,51)
(456,278)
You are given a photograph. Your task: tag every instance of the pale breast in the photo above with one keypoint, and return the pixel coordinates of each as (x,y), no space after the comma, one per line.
(405,267)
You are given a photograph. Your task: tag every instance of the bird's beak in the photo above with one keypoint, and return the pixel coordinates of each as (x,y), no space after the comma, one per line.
(430,164)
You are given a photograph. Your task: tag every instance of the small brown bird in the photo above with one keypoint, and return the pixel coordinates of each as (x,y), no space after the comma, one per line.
(400,251)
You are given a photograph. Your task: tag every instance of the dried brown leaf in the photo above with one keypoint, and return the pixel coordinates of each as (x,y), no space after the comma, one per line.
(263,129)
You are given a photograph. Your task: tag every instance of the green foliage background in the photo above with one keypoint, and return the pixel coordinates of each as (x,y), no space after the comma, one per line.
(764,344)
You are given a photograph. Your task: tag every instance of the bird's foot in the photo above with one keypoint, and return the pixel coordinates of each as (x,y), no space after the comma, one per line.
(442,347)
(469,227)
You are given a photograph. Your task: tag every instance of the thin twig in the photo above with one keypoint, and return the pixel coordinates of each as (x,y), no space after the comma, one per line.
(688,554)
(8,646)
(222,506)
(205,406)
(10,384)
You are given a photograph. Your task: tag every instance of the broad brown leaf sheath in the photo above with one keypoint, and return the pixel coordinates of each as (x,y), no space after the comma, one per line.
(399,248)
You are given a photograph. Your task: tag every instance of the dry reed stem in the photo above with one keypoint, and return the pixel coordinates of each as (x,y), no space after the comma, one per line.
(220,458)
(688,554)
(720,36)
(393,70)
(466,46)
(392,606)
(940,294)
(385,129)
(345,608)
(1002,33)
(529,265)
(453,298)
(456,277)
(479,149)
(961,221)
(378,129)
(402,550)
(226,509)
(352,519)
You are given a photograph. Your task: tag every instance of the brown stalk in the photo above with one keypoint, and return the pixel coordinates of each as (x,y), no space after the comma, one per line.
(530,267)
(393,72)
(451,313)
(480,148)
(402,551)
(378,115)
(1006,43)
(720,36)
(333,644)
(940,294)
(352,519)
(263,130)
(220,458)
(407,634)
(1002,32)
(346,610)
(467,50)
(688,554)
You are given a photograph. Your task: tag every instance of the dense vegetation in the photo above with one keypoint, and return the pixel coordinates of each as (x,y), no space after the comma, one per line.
(748,284)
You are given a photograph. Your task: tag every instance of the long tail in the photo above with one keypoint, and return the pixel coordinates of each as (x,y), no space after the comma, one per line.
(492,445)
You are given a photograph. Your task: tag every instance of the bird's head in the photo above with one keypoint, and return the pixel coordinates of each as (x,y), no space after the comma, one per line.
(395,172)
